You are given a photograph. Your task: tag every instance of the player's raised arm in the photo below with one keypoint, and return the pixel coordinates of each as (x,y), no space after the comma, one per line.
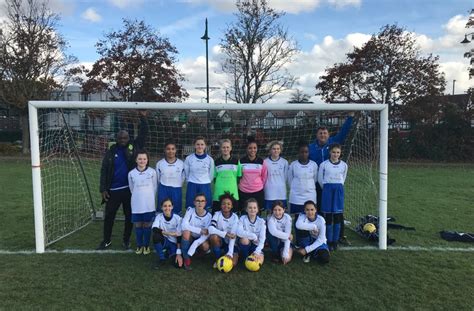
(342,134)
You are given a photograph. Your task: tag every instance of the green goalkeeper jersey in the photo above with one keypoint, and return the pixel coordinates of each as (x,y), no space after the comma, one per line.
(226,174)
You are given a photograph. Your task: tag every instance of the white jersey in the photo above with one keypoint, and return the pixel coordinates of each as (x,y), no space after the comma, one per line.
(302,179)
(254,231)
(221,226)
(277,173)
(143,186)
(199,171)
(170,174)
(281,229)
(332,173)
(195,223)
(168,225)
(316,228)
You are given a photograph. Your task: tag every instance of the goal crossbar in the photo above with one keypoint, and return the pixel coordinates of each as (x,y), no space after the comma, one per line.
(33,107)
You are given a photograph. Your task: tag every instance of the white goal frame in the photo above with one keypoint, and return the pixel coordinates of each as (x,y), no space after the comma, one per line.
(33,107)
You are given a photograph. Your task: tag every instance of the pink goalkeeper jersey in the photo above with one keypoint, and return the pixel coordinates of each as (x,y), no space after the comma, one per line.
(254,175)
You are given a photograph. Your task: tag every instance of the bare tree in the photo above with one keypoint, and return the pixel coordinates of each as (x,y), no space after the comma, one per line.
(33,62)
(256,49)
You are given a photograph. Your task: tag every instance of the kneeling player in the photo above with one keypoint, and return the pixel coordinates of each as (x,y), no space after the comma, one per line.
(312,234)
(195,226)
(167,235)
(279,233)
(251,231)
(223,229)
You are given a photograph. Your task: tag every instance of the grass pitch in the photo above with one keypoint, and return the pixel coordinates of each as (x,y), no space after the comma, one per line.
(430,197)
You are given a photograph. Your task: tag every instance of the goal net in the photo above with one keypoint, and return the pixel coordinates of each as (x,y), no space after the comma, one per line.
(72,143)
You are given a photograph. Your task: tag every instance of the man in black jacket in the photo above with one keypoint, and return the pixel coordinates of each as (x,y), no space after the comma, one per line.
(118,161)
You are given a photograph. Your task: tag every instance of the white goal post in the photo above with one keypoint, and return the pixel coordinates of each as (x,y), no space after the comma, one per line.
(36,161)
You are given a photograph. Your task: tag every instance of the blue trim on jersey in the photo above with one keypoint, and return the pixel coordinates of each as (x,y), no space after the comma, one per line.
(202,156)
(143,217)
(192,189)
(269,203)
(332,198)
(173,193)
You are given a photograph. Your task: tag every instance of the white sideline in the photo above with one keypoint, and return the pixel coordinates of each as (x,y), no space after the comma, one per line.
(348,248)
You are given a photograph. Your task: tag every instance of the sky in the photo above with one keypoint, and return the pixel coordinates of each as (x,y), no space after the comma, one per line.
(325,31)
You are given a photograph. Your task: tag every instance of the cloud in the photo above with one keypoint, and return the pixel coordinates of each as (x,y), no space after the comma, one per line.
(309,65)
(91,15)
(344,3)
(292,7)
(185,23)
(123,4)
(62,7)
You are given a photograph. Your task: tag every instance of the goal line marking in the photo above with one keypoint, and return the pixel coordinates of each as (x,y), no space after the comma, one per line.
(343,249)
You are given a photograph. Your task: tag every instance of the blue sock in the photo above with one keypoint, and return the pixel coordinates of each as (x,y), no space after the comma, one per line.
(139,236)
(337,231)
(329,233)
(217,251)
(185,245)
(244,249)
(146,236)
(159,250)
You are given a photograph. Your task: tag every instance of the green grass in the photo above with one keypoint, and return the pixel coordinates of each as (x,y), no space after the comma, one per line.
(430,197)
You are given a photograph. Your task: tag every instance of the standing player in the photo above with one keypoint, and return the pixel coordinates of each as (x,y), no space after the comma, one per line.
(331,177)
(170,173)
(167,235)
(279,233)
(117,162)
(254,176)
(223,230)
(195,226)
(302,178)
(251,231)
(311,230)
(199,170)
(143,185)
(277,168)
(319,152)
(227,171)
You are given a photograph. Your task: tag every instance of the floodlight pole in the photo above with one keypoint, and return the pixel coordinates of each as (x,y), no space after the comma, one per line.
(36,179)
(206,38)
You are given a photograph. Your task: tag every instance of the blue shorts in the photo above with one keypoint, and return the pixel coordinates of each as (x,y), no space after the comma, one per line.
(296,208)
(306,241)
(269,204)
(192,189)
(225,246)
(143,217)
(333,198)
(173,193)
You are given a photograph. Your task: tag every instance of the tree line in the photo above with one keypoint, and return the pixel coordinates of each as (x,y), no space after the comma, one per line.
(137,63)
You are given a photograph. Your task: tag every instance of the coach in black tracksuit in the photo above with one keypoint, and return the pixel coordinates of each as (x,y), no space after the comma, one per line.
(118,161)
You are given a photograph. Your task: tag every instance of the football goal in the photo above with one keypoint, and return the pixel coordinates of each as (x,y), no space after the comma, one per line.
(69,139)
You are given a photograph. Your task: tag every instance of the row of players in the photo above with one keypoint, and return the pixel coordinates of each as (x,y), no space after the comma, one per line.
(249,177)
(302,176)
(178,239)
